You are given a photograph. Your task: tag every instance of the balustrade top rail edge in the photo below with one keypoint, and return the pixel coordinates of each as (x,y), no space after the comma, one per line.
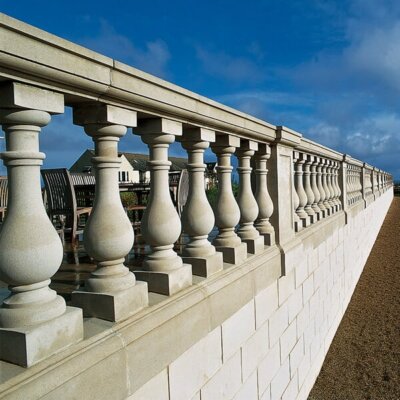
(31,55)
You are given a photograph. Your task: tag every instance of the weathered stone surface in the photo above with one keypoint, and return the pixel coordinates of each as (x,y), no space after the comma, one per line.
(113,306)
(28,345)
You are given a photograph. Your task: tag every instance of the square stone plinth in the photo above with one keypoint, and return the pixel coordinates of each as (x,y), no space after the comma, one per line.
(313,218)
(205,266)
(306,221)
(298,225)
(112,306)
(327,212)
(269,238)
(167,282)
(234,255)
(323,214)
(27,346)
(255,246)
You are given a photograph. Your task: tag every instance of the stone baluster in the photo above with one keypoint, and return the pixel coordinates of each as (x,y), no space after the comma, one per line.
(111,292)
(348,184)
(247,203)
(34,321)
(163,269)
(307,187)
(330,185)
(373,180)
(197,216)
(298,224)
(337,186)
(351,184)
(227,212)
(369,182)
(334,187)
(314,187)
(263,198)
(379,182)
(356,185)
(300,190)
(359,184)
(326,186)
(321,188)
(365,183)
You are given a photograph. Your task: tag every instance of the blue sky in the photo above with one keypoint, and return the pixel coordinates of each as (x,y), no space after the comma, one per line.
(328,69)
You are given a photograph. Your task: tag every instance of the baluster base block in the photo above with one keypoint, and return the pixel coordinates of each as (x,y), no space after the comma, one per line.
(298,226)
(269,238)
(167,282)
(323,214)
(313,218)
(255,246)
(306,222)
(234,255)
(112,306)
(205,266)
(27,346)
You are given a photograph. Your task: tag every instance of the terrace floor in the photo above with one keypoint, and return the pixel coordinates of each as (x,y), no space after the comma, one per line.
(363,362)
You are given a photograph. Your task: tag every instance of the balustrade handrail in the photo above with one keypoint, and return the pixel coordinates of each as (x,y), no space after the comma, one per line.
(76,71)
(312,147)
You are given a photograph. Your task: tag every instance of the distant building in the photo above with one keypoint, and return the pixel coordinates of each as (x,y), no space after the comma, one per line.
(133,168)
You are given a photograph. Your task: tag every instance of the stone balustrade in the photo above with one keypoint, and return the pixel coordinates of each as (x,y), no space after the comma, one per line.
(298,184)
(317,190)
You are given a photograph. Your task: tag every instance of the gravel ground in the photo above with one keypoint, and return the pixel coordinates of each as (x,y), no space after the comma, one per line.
(363,362)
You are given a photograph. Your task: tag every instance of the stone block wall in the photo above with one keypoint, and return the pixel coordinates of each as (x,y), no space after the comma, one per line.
(274,346)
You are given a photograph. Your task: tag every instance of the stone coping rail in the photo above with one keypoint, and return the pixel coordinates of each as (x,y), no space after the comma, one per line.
(301,187)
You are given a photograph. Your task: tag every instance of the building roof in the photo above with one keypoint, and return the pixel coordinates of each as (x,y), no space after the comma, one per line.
(137,160)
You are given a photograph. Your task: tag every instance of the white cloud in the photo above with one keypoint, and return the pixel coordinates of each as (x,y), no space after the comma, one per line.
(370,62)
(228,67)
(326,134)
(371,139)
(153,58)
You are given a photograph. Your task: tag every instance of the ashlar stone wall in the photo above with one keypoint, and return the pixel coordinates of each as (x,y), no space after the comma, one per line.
(274,346)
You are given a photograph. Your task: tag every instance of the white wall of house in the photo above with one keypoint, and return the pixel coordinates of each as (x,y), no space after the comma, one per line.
(126,173)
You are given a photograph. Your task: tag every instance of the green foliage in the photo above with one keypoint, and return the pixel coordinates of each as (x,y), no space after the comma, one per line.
(235,188)
(212,193)
(128,199)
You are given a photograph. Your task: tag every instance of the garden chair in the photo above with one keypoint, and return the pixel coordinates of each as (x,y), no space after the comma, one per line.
(61,203)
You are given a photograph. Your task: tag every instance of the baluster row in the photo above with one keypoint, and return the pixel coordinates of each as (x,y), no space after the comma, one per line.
(31,251)
(316,193)
(354,184)
(368,192)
